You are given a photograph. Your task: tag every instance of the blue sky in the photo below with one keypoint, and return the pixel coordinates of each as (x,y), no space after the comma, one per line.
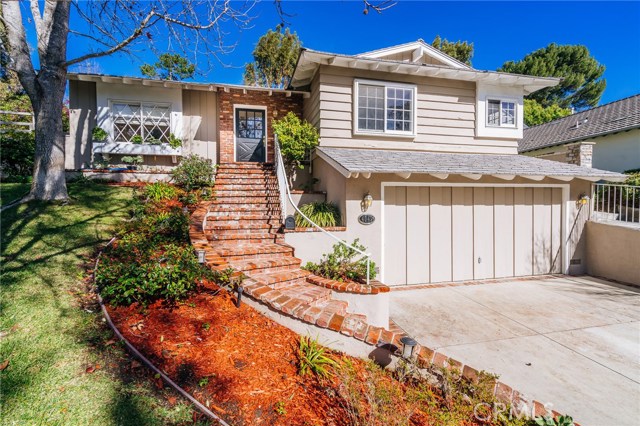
(500,31)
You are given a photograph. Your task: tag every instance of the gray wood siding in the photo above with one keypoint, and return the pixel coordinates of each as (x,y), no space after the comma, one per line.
(311,105)
(82,120)
(200,123)
(445,114)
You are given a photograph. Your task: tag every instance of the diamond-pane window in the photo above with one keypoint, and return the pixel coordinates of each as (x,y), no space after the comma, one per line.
(146,120)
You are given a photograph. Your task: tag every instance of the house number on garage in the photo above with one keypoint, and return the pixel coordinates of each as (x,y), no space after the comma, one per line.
(366,219)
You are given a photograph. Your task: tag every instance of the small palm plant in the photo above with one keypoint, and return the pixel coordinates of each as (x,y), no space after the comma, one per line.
(312,358)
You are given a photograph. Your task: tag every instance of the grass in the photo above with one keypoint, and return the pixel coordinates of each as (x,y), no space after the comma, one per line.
(12,191)
(51,336)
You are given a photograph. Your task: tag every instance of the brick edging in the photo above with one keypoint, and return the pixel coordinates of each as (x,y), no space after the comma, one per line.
(353,325)
(298,229)
(375,287)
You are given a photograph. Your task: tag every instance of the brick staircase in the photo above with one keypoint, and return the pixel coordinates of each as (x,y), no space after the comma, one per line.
(242,230)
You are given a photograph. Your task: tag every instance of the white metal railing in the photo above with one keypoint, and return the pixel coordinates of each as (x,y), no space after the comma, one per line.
(20,126)
(283,186)
(611,202)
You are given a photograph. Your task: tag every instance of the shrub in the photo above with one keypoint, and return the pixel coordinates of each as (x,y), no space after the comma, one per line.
(99,134)
(132,159)
(193,172)
(17,149)
(174,142)
(340,265)
(131,272)
(296,139)
(550,421)
(137,139)
(160,191)
(312,358)
(322,213)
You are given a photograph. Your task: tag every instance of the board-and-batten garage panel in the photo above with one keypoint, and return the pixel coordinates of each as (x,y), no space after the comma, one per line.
(439,234)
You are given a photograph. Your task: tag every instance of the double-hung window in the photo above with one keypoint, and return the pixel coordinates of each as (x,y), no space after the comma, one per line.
(387,108)
(501,113)
(143,121)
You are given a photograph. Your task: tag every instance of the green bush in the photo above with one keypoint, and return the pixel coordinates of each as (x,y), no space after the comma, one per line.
(174,142)
(132,159)
(160,191)
(296,138)
(340,265)
(99,134)
(193,172)
(322,213)
(131,272)
(17,149)
(312,358)
(136,139)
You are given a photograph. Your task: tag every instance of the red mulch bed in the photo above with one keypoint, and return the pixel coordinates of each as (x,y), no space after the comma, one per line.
(240,362)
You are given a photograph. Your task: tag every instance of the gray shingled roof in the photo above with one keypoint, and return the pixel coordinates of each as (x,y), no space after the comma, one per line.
(610,118)
(352,160)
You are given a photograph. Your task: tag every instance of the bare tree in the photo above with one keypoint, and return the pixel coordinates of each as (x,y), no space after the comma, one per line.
(195,27)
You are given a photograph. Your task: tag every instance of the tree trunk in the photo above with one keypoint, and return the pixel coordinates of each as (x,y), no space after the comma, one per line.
(48,169)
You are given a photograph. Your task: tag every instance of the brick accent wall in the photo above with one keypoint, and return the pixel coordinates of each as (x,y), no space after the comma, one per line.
(278,105)
(580,154)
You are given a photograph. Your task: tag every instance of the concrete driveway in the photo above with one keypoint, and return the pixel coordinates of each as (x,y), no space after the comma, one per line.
(570,341)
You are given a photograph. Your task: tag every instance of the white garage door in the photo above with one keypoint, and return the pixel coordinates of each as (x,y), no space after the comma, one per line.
(438,234)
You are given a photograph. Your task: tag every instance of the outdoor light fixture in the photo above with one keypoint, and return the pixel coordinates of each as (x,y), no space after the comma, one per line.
(367,200)
(408,347)
(201,255)
(584,199)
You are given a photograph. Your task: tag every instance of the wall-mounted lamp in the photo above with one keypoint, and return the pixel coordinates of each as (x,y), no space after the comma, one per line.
(409,346)
(583,199)
(201,255)
(366,202)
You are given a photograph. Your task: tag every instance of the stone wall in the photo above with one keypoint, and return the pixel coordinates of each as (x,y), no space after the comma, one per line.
(277,104)
(580,154)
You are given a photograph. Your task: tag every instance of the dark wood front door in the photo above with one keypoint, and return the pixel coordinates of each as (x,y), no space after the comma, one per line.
(250,135)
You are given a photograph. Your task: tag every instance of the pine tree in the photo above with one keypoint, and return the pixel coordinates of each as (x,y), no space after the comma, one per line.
(274,59)
(460,50)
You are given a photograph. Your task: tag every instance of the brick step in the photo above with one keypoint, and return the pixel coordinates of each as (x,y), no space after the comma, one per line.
(332,305)
(244,251)
(266,265)
(241,218)
(223,193)
(240,224)
(306,294)
(245,165)
(279,280)
(244,172)
(245,180)
(240,200)
(234,210)
(238,227)
(248,237)
(239,187)
(255,229)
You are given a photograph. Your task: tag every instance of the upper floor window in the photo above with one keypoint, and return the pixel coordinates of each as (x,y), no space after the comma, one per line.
(501,113)
(140,121)
(385,107)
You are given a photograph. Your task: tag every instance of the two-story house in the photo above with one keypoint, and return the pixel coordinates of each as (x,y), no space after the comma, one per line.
(419,151)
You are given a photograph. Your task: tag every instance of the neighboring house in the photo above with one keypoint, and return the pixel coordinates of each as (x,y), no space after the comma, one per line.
(606,137)
(433,141)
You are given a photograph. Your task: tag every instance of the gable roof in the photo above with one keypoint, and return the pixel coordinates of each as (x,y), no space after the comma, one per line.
(418,49)
(351,162)
(310,60)
(613,117)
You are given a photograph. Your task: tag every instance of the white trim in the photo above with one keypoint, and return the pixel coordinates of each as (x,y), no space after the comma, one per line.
(266,132)
(111,101)
(385,85)
(501,100)
(563,212)
(413,46)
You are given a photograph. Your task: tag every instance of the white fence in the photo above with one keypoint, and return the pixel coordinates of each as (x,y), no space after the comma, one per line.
(615,203)
(17,121)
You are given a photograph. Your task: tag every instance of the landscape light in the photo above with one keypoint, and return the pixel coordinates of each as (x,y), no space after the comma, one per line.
(408,347)
(201,255)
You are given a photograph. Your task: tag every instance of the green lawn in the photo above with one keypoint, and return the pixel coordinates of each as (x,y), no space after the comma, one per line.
(50,336)
(12,191)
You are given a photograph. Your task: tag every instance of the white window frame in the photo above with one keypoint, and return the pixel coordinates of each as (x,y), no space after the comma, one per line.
(385,85)
(112,131)
(501,100)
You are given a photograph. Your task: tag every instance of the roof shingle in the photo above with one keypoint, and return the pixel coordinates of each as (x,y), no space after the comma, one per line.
(353,160)
(610,118)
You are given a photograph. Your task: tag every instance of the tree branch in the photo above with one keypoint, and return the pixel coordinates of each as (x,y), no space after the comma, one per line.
(15,41)
(124,43)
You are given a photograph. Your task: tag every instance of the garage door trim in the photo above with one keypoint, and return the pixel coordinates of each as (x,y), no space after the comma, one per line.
(564,216)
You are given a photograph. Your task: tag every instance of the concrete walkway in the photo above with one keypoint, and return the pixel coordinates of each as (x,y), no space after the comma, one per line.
(571,341)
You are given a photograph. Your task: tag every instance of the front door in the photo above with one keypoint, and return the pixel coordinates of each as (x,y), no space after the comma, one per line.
(250,135)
